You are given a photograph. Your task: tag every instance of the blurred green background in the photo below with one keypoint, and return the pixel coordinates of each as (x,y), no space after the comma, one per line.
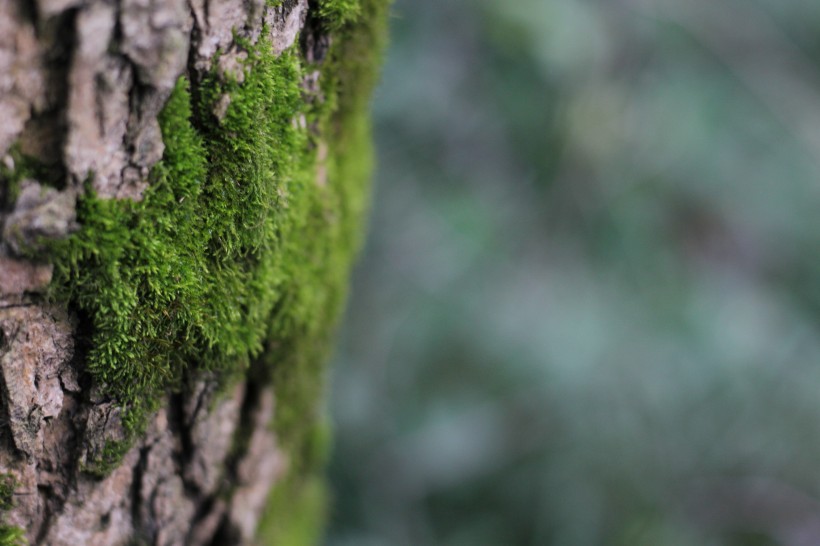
(588,309)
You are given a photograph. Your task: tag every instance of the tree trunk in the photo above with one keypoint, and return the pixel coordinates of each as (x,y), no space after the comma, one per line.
(181,192)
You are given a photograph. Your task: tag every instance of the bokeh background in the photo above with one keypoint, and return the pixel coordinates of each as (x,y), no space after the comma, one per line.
(588,309)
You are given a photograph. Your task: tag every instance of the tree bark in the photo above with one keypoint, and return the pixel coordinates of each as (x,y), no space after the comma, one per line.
(82,86)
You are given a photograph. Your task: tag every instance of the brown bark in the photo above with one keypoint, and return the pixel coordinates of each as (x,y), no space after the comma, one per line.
(81,84)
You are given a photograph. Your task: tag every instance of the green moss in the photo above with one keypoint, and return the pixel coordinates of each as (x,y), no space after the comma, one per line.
(305,500)
(297,506)
(7,486)
(10,535)
(16,167)
(24,166)
(109,459)
(336,14)
(189,276)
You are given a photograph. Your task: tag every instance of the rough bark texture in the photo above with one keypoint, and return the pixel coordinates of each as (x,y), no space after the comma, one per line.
(81,86)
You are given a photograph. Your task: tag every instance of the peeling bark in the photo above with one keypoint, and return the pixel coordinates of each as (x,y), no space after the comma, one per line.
(81,85)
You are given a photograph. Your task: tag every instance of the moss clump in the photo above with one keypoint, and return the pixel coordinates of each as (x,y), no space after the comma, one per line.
(7,486)
(9,186)
(10,535)
(297,504)
(111,455)
(338,13)
(16,167)
(190,276)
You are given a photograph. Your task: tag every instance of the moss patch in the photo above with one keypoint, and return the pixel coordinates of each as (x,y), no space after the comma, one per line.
(7,486)
(190,276)
(17,166)
(297,505)
(10,535)
(336,14)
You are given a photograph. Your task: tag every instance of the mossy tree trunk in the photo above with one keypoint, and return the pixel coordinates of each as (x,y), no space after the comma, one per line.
(182,188)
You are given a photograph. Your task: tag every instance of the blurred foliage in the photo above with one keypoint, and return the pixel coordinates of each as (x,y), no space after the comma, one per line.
(589,308)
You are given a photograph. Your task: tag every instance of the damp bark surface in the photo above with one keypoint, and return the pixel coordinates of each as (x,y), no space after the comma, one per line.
(188,454)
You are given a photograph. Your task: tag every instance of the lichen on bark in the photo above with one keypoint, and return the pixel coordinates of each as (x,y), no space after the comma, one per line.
(169,284)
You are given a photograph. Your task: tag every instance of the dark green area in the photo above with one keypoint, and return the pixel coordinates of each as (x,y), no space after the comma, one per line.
(7,485)
(10,535)
(336,14)
(24,166)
